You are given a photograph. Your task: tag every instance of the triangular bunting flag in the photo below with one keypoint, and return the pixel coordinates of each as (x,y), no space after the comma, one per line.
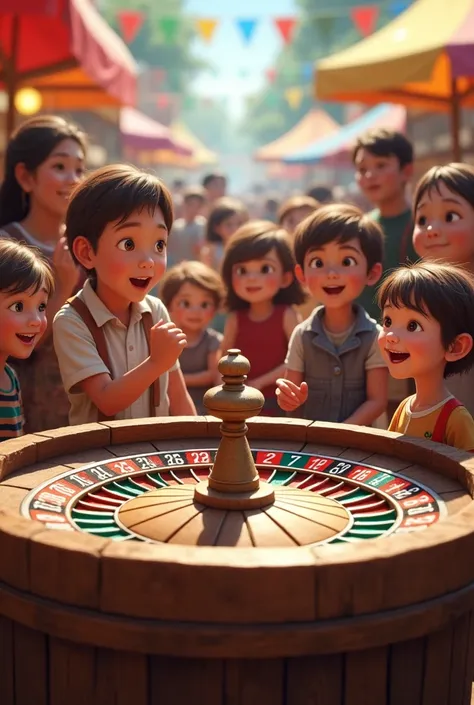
(271,75)
(169,27)
(286,27)
(247,29)
(365,18)
(294,96)
(206,28)
(398,6)
(130,22)
(307,70)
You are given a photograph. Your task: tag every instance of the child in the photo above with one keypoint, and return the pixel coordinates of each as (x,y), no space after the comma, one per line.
(334,366)
(261,287)
(44,160)
(383,161)
(188,231)
(443,207)
(26,283)
(428,330)
(226,216)
(294,210)
(192,293)
(117,349)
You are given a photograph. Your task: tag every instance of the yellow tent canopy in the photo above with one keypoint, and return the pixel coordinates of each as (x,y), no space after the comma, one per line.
(424,58)
(202,156)
(314,125)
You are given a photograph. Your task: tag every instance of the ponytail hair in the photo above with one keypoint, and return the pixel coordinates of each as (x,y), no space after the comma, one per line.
(31,144)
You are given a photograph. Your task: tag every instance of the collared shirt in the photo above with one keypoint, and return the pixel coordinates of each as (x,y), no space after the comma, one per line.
(127,347)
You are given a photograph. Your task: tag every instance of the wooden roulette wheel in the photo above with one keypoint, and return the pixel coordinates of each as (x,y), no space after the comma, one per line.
(340,574)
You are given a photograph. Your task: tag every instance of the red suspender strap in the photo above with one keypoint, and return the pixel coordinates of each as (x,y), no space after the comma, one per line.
(439,432)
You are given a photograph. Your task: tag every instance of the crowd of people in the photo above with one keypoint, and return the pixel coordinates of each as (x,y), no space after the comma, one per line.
(117,298)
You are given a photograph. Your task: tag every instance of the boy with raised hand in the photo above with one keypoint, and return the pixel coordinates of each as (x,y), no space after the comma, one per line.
(334,368)
(117,348)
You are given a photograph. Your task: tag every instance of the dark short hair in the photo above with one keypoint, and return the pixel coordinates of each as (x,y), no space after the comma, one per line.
(385,143)
(253,241)
(322,194)
(443,291)
(339,222)
(209,178)
(111,194)
(194,192)
(195,273)
(295,203)
(458,178)
(222,209)
(22,268)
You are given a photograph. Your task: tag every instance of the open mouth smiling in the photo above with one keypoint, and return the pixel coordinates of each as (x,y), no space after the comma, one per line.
(27,338)
(333,290)
(140,282)
(397,357)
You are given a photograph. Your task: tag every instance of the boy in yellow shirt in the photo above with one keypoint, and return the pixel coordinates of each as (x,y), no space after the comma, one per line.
(427,335)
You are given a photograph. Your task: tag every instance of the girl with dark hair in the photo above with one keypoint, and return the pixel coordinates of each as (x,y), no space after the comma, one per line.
(443,211)
(226,216)
(26,283)
(44,160)
(258,272)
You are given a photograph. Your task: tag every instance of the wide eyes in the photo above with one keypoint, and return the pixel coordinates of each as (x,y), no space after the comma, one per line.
(414,327)
(317,262)
(241,270)
(17,307)
(128,245)
(452,217)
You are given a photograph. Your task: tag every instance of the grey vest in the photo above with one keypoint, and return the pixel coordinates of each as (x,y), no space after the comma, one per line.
(336,377)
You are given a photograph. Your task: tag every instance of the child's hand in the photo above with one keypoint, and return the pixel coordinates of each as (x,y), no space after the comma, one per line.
(67,273)
(290,395)
(167,342)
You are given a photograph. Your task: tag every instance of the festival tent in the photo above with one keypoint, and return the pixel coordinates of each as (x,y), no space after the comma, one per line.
(66,50)
(202,156)
(315,124)
(424,58)
(140,132)
(338,146)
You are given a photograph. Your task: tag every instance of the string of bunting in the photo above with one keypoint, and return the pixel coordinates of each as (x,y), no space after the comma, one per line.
(364,17)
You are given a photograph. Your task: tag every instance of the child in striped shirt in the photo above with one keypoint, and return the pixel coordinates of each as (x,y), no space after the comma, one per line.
(26,282)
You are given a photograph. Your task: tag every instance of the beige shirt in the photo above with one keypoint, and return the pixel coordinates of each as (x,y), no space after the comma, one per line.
(127,347)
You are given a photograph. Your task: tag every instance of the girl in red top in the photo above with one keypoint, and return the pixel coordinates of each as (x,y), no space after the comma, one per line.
(258,272)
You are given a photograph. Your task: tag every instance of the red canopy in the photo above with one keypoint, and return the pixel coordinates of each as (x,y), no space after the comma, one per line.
(142,132)
(64,38)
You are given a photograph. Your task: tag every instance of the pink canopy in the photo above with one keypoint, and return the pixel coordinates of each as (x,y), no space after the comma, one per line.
(142,132)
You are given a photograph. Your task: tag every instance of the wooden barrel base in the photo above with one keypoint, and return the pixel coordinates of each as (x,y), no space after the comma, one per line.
(92,620)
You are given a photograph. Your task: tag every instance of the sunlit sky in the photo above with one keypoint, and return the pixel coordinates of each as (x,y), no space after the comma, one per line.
(229,55)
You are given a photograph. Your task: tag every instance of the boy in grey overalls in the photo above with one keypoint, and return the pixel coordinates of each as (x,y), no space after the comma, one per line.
(334,368)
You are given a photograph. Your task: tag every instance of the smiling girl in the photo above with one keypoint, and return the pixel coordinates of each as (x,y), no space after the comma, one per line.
(44,160)
(261,287)
(26,283)
(427,335)
(443,208)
